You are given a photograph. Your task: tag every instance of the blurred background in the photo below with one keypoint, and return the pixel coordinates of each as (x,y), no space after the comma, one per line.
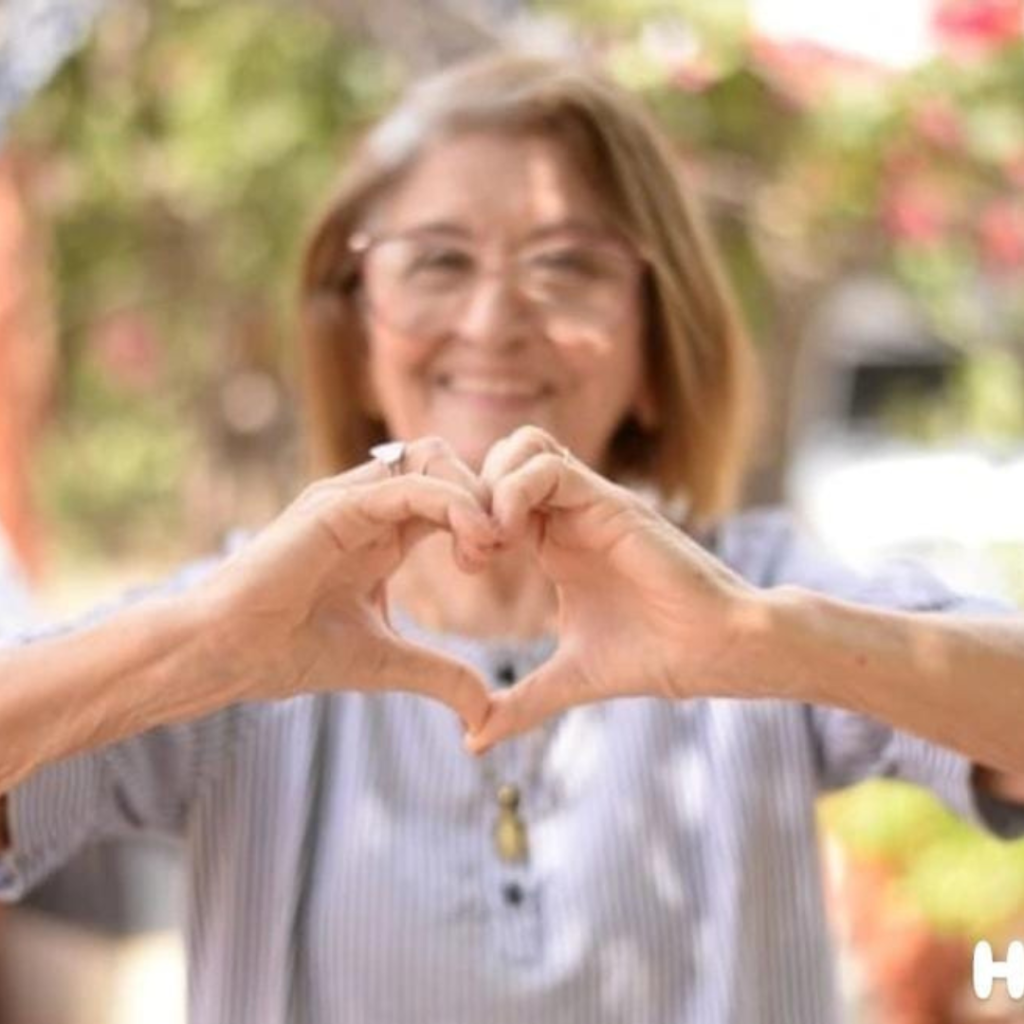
(864,169)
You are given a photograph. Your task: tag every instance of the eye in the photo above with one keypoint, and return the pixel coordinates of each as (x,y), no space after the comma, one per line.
(439,259)
(568,261)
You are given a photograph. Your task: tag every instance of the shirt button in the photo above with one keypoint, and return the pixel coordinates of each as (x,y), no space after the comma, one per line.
(513,893)
(506,673)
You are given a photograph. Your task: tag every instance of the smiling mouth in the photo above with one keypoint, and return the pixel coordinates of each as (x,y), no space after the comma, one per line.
(493,389)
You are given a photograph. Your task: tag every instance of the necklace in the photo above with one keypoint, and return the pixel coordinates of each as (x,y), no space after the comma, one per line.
(510,834)
(511,838)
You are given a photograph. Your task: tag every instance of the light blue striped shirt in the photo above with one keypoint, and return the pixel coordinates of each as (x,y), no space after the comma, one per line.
(341,864)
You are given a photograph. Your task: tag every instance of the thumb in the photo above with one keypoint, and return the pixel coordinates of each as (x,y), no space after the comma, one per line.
(553,688)
(401,665)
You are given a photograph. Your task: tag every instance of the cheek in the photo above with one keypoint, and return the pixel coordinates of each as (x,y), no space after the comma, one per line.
(611,369)
(395,365)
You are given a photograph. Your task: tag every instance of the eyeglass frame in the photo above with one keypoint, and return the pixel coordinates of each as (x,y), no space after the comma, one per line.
(360,243)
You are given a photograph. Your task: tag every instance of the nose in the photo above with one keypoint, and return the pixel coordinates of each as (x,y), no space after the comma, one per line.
(495,313)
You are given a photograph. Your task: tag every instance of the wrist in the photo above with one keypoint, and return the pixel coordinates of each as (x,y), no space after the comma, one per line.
(248,653)
(222,646)
(768,636)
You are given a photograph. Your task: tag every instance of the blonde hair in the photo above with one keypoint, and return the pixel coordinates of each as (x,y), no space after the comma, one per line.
(698,358)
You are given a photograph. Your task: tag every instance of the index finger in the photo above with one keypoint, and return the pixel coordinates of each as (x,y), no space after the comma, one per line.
(365,511)
(546,481)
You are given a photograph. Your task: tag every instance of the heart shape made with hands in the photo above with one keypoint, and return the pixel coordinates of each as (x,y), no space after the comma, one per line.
(643,610)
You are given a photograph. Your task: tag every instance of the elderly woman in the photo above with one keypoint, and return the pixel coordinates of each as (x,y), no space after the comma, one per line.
(510,300)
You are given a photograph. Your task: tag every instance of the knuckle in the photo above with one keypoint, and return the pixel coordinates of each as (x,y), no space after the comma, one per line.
(500,446)
(311,492)
(549,462)
(432,445)
(532,433)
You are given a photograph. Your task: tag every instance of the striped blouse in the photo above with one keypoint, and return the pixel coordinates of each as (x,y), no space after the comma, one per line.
(342,869)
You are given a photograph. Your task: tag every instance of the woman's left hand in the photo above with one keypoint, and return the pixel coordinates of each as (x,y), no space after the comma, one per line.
(643,609)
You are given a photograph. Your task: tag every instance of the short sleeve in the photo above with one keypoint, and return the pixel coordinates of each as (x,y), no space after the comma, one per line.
(146,783)
(766,548)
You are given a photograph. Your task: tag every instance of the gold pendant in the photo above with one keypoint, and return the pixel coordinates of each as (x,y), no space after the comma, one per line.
(510,836)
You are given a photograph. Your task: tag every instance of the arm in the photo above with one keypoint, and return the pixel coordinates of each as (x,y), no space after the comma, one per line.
(298,610)
(147,666)
(645,611)
(958,681)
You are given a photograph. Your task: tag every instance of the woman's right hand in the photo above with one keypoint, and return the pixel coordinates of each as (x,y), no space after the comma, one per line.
(302,607)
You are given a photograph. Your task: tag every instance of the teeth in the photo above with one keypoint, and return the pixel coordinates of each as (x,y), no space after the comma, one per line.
(489,387)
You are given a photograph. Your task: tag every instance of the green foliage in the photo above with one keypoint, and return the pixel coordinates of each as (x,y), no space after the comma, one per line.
(834,165)
(116,485)
(991,392)
(1010,558)
(967,883)
(928,167)
(722,22)
(887,820)
(182,152)
(186,147)
(181,156)
(958,877)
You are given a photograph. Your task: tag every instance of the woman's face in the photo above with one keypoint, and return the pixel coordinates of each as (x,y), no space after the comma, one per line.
(496,296)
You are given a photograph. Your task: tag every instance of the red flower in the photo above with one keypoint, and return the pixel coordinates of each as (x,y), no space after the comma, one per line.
(1001,236)
(915,213)
(937,121)
(901,161)
(695,75)
(128,351)
(1013,170)
(975,25)
(807,71)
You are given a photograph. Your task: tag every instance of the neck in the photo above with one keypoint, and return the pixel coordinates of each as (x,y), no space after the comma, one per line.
(510,597)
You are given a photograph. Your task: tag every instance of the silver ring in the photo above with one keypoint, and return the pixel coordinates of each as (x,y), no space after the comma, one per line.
(390,454)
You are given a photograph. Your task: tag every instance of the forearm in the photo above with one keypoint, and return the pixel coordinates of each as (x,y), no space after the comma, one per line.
(958,681)
(144,667)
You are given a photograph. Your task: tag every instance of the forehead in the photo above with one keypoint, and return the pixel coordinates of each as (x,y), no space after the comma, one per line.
(483,180)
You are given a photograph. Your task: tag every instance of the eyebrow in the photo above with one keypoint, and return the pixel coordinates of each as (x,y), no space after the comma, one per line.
(434,227)
(563,225)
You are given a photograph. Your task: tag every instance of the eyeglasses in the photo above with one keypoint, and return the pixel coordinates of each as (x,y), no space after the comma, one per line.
(422,282)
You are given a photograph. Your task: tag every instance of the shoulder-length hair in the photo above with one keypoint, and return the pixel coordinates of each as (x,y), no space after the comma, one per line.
(698,357)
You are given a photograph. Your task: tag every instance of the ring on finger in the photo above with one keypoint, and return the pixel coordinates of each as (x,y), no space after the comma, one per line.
(391,455)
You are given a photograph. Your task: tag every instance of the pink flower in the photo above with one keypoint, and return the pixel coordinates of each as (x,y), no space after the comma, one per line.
(1013,170)
(915,213)
(978,25)
(937,121)
(695,75)
(806,71)
(901,161)
(1001,236)
(127,349)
